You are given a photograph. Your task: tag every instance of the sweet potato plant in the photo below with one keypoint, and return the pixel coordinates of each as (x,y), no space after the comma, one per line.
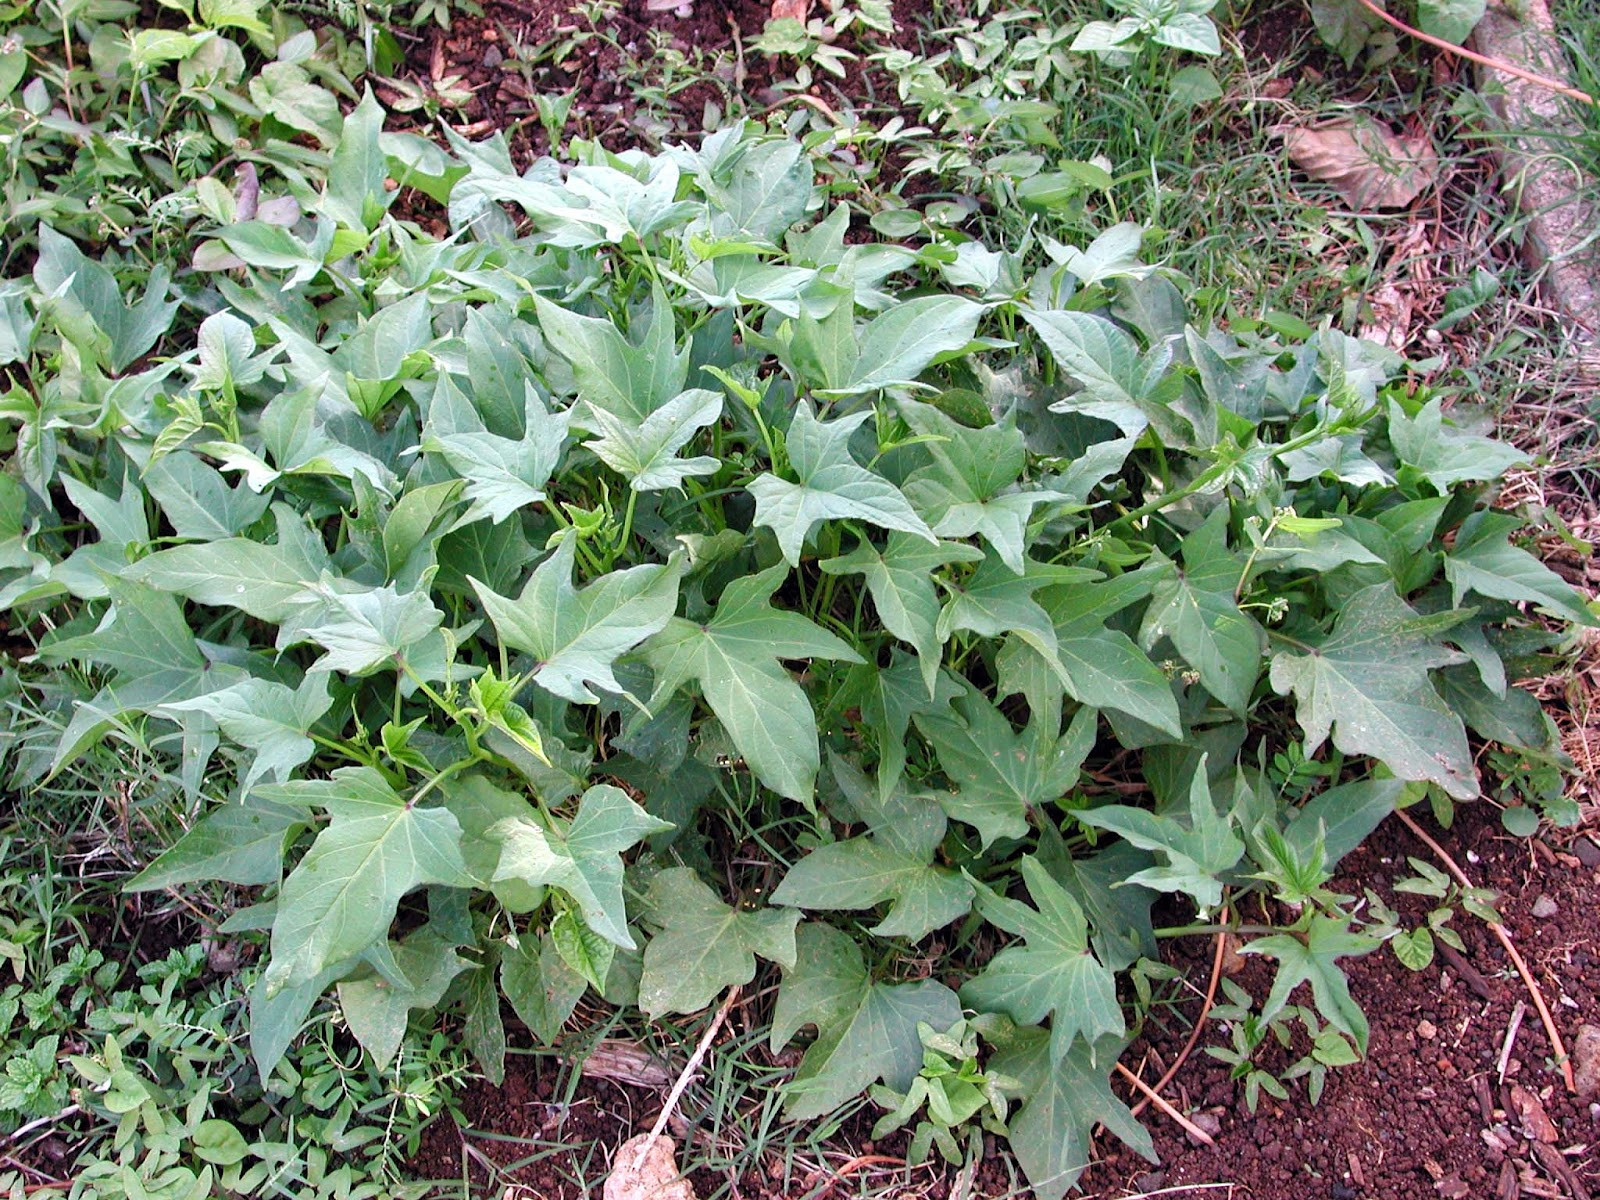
(652,584)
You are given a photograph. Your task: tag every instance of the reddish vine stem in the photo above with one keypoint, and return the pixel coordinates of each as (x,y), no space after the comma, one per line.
(1544,81)
(1499,931)
(1199,1022)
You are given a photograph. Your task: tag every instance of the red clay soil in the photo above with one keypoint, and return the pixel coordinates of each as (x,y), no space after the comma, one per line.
(1428,1113)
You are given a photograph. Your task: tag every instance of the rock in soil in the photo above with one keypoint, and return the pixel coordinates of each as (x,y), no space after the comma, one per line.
(1586,1061)
(1544,908)
(654,1176)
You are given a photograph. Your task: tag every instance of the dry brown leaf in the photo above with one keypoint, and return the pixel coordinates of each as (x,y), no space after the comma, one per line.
(795,10)
(1536,1123)
(652,1175)
(1367,164)
(628,1063)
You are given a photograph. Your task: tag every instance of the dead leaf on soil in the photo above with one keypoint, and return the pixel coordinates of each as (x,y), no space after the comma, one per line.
(794,10)
(628,1063)
(1370,166)
(654,1176)
(1536,1123)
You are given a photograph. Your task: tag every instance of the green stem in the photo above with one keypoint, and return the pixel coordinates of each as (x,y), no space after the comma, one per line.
(461,764)
(1211,474)
(1171,931)
(627,522)
(342,749)
(1250,562)
(1287,640)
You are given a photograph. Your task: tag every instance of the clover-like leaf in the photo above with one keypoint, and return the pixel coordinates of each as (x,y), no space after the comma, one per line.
(703,945)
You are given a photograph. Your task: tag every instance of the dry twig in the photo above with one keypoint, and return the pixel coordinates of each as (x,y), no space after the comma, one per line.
(1517,1013)
(687,1074)
(1189,1127)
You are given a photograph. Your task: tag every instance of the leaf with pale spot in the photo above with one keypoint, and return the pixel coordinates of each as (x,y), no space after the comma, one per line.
(1367,681)
(1194,605)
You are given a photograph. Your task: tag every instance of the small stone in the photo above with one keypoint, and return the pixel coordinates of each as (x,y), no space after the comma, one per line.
(1586,1061)
(1150,1181)
(1427,1030)
(1544,908)
(1588,853)
(1207,1122)
(647,1169)
(493,56)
